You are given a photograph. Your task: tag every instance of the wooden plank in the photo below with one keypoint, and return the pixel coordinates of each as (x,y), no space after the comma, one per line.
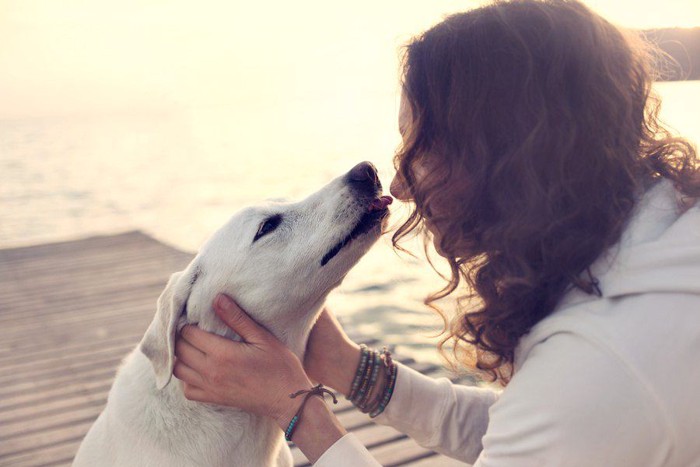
(75,369)
(106,329)
(80,273)
(35,354)
(39,288)
(60,453)
(39,299)
(438,461)
(93,394)
(87,245)
(31,405)
(400,452)
(15,370)
(79,263)
(44,439)
(31,392)
(18,428)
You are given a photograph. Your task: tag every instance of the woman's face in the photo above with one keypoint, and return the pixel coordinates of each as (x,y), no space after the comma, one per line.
(398,188)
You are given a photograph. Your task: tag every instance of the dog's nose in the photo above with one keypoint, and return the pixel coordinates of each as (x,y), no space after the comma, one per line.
(365,175)
(363,172)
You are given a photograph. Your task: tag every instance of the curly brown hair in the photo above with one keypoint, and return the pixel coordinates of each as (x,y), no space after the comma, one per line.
(536,130)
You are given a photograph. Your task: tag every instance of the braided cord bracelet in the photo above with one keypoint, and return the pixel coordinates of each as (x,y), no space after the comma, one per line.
(318,390)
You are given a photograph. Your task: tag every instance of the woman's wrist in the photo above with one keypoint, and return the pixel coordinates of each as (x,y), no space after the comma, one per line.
(316,430)
(331,356)
(287,407)
(342,370)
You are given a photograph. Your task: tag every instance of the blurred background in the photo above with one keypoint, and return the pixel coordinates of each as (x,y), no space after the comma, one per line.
(168,116)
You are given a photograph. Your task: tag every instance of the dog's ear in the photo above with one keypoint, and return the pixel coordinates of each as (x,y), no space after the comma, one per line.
(158,344)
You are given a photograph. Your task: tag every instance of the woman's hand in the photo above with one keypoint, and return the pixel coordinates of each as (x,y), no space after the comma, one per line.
(331,357)
(256,375)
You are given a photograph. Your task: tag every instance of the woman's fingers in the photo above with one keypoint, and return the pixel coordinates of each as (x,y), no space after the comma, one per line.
(189,354)
(204,341)
(195,393)
(187,375)
(235,318)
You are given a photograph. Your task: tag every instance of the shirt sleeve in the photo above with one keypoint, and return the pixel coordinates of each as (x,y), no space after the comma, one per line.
(348,451)
(438,414)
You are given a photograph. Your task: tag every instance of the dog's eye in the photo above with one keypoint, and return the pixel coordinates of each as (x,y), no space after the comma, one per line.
(268,225)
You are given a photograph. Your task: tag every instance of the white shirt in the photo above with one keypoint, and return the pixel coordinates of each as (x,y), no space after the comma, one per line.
(602,381)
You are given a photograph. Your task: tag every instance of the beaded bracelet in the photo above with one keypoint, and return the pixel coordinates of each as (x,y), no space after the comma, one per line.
(362,403)
(388,389)
(388,364)
(366,384)
(363,386)
(364,356)
(363,383)
(380,392)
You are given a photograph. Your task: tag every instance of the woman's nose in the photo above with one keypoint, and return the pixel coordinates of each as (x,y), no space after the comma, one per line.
(398,188)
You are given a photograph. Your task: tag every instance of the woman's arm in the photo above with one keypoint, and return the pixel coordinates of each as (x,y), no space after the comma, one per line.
(436,413)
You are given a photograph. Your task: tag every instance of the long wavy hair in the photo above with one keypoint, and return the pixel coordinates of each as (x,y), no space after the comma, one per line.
(535,132)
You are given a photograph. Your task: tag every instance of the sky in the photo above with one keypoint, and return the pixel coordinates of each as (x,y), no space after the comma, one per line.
(86,57)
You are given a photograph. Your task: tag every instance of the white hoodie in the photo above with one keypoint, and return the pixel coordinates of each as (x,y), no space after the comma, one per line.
(602,381)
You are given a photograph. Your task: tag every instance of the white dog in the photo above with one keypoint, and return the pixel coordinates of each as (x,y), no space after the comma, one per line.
(279,262)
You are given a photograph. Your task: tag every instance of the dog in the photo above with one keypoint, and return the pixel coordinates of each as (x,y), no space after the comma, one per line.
(279,262)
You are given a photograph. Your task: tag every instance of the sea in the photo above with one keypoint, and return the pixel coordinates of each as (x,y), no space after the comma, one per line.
(178,175)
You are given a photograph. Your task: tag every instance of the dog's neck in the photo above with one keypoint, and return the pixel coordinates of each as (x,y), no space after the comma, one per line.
(293,329)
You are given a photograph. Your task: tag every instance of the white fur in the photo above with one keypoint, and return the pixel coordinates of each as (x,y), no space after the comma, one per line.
(280,282)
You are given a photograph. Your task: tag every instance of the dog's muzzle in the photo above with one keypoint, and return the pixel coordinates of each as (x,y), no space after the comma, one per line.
(364,182)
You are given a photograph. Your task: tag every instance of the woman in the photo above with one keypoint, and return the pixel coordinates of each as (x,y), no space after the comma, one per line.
(535,161)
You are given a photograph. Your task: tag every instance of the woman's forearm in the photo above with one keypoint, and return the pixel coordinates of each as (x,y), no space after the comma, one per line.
(317,429)
(340,371)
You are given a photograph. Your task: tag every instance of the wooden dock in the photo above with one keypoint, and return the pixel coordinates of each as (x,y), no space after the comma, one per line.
(69,312)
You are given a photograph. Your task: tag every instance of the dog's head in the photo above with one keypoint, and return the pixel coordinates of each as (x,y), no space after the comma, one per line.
(277,261)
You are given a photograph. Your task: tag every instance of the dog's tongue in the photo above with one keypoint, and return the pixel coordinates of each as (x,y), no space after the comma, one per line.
(381,203)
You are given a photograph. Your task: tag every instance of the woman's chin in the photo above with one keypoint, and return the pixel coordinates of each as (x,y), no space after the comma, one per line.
(438,249)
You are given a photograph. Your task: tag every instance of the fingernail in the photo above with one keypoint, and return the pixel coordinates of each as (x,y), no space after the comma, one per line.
(224,302)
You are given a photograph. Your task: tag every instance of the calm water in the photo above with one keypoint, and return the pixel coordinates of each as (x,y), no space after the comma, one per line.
(180,175)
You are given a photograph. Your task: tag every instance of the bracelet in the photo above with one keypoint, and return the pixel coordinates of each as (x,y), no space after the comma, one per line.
(392,371)
(362,403)
(388,368)
(365,385)
(364,356)
(318,390)
(363,393)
